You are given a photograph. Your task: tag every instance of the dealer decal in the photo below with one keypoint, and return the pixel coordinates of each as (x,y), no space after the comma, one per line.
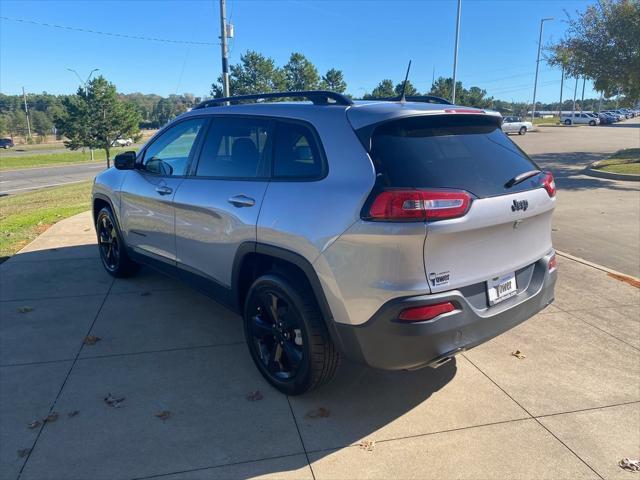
(439,279)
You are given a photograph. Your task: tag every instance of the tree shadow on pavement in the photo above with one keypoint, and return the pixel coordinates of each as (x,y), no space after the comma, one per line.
(568,170)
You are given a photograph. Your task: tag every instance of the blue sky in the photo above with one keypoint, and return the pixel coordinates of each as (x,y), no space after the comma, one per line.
(367,40)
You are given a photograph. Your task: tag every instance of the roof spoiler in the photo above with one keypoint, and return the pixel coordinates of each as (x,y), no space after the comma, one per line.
(317,97)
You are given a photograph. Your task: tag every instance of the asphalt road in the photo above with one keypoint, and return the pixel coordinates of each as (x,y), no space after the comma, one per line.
(18,181)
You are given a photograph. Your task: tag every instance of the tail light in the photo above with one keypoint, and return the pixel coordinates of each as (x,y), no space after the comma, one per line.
(426,312)
(553,263)
(549,184)
(393,205)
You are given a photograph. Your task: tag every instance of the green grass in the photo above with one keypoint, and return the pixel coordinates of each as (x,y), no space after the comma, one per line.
(25,216)
(50,159)
(625,161)
(545,121)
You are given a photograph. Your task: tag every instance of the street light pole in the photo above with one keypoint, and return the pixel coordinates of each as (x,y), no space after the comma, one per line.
(455,55)
(535,82)
(225,53)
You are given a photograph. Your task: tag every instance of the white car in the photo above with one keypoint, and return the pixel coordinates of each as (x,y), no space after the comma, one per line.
(516,125)
(122,142)
(579,119)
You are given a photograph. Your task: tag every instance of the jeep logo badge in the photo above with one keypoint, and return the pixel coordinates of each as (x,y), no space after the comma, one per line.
(519,205)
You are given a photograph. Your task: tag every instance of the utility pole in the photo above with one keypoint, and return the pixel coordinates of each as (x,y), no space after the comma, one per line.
(455,54)
(225,53)
(575,92)
(561,87)
(584,80)
(535,82)
(600,104)
(433,76)
(26,112)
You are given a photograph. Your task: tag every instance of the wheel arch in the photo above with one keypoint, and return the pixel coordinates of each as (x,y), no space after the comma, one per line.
(254,259)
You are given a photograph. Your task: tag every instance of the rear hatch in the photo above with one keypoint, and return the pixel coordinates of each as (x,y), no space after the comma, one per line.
(490,210)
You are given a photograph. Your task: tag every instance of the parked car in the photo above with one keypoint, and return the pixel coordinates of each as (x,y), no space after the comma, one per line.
(578,119)
(606,119)
(516,125)
(614,114)
(6,143)
(395,234)
(122,142)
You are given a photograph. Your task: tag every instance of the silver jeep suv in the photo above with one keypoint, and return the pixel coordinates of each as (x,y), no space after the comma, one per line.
(393,233)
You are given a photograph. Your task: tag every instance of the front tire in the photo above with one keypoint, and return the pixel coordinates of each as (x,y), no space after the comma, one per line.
(567,122)
(522,130)
(286,335)
(592,123)
(113,253)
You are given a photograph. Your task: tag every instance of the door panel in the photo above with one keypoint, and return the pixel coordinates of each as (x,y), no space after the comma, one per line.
(209,228)
(146,207)
(148,215)
(217,208)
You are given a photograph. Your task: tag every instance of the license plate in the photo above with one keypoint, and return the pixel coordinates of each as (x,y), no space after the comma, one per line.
(501,288)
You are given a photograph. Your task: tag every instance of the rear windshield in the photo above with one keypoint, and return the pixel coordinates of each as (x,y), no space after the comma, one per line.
(449,151)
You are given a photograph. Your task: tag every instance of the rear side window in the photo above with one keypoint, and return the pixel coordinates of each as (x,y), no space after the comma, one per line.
(235,148)
(296,153)
(465,152)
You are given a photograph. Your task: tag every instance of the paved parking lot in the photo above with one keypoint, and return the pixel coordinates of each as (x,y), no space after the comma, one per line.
(570,409)
(596,219)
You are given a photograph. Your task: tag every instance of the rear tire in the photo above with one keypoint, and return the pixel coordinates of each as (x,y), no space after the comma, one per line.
(113,252)
(567,122)
(286,335)
(522,130)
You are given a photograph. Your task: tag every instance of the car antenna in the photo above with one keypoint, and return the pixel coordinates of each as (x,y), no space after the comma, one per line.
(404,84)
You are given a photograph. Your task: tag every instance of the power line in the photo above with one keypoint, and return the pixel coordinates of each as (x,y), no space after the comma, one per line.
(110,34)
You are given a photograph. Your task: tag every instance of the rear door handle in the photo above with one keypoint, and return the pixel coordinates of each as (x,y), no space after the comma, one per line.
(164,190)
(241,201)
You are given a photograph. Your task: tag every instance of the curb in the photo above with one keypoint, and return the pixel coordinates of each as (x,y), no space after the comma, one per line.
(630,279)
(593,172)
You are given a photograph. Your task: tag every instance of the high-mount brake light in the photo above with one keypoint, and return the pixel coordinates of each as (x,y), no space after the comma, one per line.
(401,205)
(549,184)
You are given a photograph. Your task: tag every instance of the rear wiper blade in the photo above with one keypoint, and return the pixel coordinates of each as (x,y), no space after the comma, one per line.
(521,178)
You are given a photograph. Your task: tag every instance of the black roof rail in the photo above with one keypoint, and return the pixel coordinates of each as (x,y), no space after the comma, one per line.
(416,98)
(317,97)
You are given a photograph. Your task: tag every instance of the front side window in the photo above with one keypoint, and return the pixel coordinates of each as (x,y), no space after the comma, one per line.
(296,153)
(235,148)
(169,154)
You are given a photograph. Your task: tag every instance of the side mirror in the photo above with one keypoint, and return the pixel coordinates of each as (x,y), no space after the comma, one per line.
(125,161)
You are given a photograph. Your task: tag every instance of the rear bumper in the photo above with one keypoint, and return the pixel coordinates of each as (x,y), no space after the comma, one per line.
(386,343)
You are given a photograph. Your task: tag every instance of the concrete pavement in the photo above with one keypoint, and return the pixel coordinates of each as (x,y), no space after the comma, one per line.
(570,409)
(18,181)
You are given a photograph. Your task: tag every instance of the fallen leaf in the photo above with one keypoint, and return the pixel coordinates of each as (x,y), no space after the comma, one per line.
(52,417)
(23,452)
(112,401)
(163,415)
(318,413)
(519,354)
(629,465)
(145,294)
(254,396)
(367,445)
(73,413)
(91,340)
(35,424)
(25,309)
